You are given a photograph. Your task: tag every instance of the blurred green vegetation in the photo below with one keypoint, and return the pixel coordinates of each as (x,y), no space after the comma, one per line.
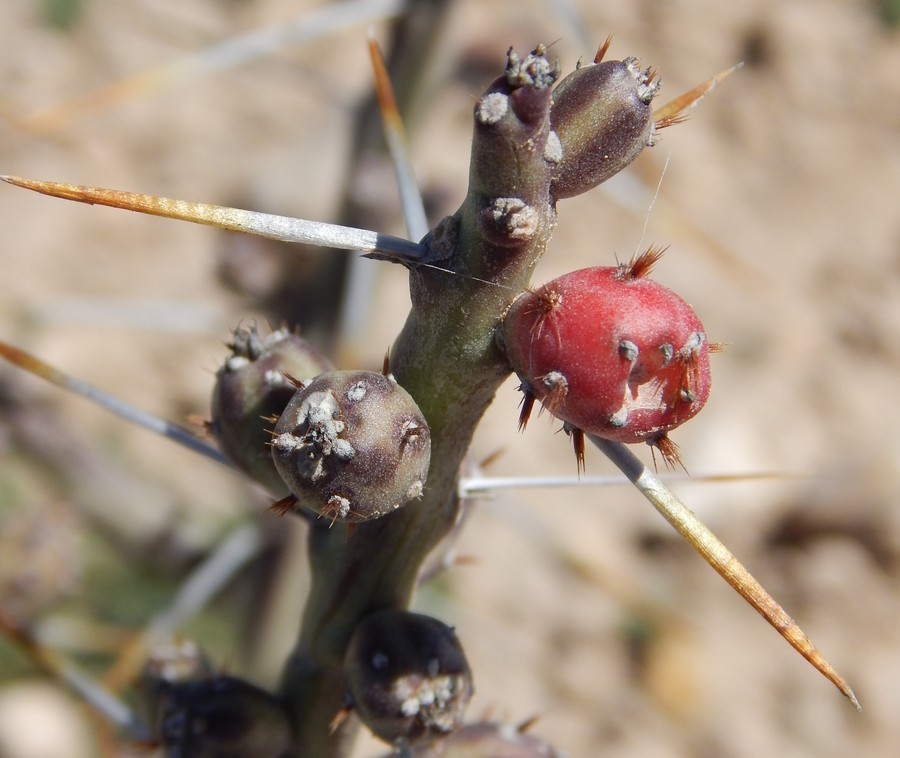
(62,14)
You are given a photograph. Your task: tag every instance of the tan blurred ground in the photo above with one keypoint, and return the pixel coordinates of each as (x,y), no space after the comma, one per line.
(780,206)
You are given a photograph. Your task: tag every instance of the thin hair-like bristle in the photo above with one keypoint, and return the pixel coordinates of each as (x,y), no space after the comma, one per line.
(603,49)
(642,263)
(556,394)
(332,510)
(668,121)
(294,381)
(284,506)
(546,301)
(669,451)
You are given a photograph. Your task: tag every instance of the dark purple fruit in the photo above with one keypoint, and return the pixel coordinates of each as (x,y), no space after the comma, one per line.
(602,118)
(251,387)
(408,677)
(223,717)
(352,446)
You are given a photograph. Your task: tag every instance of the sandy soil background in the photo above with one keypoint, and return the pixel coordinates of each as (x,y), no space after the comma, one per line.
(779,202)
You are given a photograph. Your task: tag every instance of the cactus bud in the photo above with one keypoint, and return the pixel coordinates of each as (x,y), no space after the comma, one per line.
(224,717)
(352,446)
(610,352)
(408,676)
(250,387)
(601,115)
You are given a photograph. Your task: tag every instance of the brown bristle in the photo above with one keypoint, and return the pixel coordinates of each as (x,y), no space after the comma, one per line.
(668,450)
(682,391)
(666,113)
(386,364)
(578,444)
(546,302)
(294,381)
(283,506)
(667,121)
(685,389)
(642,263)
(718,347)
(524,726)
(491,458)
(331,509)
(557,393)
(603,49)
(203,425)
(527,404)
(342,715)
(689,382)
(550,299)
(410,434)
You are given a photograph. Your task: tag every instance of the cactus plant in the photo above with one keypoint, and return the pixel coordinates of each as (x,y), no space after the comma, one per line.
(469,270)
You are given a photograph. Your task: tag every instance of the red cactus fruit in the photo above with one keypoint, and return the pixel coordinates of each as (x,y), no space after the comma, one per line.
(611,353)
(351,446)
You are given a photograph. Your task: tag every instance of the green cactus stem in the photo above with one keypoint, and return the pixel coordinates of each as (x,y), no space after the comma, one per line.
(447,358)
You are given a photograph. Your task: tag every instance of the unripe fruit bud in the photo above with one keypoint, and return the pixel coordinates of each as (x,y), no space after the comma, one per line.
(408,677)
(252,386)
(610,352)
(601,114)
(352,446)
(224,717)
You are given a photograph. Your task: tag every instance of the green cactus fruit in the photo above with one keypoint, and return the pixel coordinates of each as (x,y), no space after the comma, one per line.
(352,446)
(252,386)
(408,677)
